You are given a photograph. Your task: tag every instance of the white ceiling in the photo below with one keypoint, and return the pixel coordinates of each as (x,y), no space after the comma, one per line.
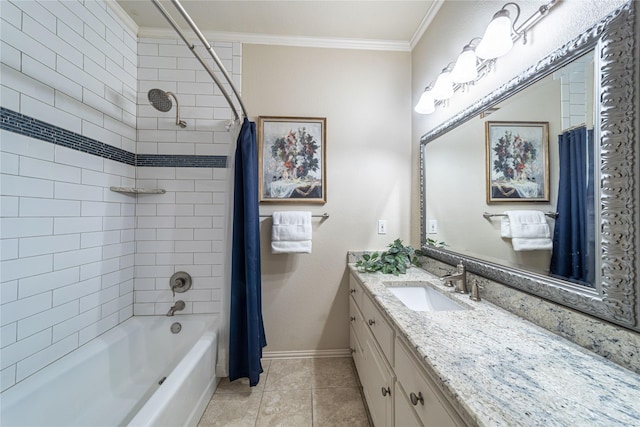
(393,23)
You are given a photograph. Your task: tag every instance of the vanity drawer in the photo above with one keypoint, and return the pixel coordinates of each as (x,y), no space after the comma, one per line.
(379,327)
(428,401)
(356,291)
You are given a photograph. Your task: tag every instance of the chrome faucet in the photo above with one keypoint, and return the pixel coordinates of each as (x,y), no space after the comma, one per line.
(460,279)
(475,291)
(179,305)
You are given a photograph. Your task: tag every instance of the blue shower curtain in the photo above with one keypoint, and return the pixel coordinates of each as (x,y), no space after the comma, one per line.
(246,335)
(574,237)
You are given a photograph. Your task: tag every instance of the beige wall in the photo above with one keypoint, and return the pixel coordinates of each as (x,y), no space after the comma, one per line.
(456,23)
(365,96)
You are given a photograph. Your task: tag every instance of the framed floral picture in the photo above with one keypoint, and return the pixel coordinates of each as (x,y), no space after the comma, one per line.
(291,159)
(517,161)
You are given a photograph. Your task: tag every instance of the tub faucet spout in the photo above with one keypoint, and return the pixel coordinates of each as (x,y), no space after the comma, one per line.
(179,305)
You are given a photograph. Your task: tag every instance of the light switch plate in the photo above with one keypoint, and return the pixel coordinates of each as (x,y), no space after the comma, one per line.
(433,226)
(382,226)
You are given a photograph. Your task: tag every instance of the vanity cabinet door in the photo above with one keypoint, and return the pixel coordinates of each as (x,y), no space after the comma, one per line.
(356,319)
(404,415)
(378,383)
(355,334)
(427,400)
(380,327)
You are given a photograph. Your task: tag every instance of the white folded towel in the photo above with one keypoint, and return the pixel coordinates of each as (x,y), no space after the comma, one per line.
(505,227)
(520,244)
(290,247)
(528,230)
(291,232)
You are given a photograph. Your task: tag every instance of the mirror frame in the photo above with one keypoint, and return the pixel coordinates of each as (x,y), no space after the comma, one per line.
(617,297)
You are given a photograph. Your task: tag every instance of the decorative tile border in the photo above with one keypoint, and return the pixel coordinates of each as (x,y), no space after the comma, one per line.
(181,161)
(34,128)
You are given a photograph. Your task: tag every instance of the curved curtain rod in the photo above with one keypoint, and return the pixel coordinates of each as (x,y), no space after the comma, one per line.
(213,54)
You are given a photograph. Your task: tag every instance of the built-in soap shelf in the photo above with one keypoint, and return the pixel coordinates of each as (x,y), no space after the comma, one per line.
(133,190)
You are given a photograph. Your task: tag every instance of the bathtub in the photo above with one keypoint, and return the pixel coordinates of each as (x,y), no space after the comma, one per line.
(118,379)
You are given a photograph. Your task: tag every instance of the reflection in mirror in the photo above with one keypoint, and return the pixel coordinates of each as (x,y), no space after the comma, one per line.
(575,234)
(453,164)
(564,100)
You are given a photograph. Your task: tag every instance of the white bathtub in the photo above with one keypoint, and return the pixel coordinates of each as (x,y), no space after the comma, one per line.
(114,379)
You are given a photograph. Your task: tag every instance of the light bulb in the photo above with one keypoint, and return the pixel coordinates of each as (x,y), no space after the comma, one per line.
(497,38)
(466,69)
(443,89)
(426,103)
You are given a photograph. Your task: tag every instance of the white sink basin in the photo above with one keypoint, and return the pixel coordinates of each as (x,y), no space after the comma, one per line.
(424,298)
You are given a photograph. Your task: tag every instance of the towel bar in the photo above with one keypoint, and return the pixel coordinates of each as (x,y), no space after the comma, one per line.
(488,215)
(323,216)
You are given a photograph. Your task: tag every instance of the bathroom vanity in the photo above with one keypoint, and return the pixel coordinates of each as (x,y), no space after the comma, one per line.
(473,363)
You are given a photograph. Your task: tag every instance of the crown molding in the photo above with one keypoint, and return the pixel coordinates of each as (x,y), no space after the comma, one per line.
(426,21)
(249,38)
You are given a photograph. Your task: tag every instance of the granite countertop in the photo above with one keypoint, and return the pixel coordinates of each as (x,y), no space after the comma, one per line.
(501,370)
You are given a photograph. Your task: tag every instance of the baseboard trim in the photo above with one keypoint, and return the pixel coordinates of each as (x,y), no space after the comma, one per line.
(306,354)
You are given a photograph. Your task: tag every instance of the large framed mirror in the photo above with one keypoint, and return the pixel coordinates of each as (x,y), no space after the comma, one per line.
(604,62)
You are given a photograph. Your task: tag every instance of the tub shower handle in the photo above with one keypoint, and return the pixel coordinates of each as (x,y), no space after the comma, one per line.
(415,399)
(180,282)
(386,391)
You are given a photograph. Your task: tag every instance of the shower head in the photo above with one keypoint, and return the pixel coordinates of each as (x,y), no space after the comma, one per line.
(161,101)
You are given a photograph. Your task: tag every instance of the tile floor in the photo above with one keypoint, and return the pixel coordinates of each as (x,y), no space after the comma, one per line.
(291,392)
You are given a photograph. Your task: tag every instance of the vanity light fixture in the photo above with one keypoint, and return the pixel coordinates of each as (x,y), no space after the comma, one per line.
(426,104)
(466,68)
(497,40)
(443,88)
(476,61)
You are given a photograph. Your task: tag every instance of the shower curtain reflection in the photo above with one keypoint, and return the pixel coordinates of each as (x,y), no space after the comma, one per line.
(573,256)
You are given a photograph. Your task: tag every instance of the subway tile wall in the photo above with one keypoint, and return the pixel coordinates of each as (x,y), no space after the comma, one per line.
(168,64)
(185,228)
(575,93)
(72,251)
(181,230)
(68,244)
(73,65)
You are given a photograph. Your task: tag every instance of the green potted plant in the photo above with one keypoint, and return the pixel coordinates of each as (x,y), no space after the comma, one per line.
(393,261)
(434,243)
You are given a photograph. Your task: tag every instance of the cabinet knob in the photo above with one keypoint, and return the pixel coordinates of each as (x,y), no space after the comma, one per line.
(415,399)
(352,318)
(353,291)
(353,350)
(372,322)
(386,391)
